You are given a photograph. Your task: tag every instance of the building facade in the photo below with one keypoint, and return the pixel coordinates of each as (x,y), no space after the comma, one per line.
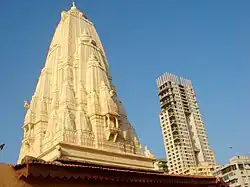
(201,170)
(161,165)
(236,173)
(185,139)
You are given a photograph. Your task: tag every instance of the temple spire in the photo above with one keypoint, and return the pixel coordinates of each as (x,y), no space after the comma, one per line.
(73,112)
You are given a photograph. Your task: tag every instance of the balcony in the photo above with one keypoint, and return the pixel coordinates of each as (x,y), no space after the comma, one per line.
(177,141)
(165,89)
(167,100)
(174,129)
(173,122)
(172,117)
(186,110)
(176,136)
(171,114)
(183,94)
(164,97)
(168,106)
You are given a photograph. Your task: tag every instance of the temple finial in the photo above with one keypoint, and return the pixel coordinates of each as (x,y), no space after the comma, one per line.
(73,4)
(73,7)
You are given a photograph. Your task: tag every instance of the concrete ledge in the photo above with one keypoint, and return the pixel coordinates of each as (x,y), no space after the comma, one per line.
(80,153)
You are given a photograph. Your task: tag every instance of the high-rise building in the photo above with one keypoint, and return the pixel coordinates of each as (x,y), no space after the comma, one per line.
(185,139)
(75,112)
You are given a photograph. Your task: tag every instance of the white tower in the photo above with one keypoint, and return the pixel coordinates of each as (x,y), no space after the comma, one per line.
(183,130)
(75,112)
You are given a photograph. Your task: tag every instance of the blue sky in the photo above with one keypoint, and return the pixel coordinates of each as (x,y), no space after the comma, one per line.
(205,41)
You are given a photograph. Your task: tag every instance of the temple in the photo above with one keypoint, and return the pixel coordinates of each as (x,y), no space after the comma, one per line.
(75,112)
(76,131)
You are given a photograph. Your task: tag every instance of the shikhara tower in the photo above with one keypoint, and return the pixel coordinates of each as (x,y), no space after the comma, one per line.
(75,112)
(183,130)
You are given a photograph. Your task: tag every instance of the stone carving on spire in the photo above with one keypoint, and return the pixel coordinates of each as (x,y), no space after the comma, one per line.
(85,37)
(110,112)
(148,153)
(26,104)
(109,105)
(75,111)
(53,119)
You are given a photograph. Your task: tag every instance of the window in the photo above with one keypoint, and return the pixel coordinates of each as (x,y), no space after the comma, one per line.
(228,169)
(226,177)
(234,167)
(241,167)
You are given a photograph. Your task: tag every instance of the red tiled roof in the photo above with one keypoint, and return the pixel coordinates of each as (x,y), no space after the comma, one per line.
(89,171)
